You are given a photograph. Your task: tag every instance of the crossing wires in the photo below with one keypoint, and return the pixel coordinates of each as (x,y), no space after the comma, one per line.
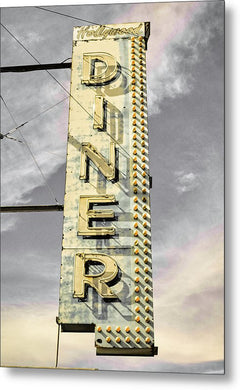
(68,16)
(31,153)
(17,127)
(50,74)
(57,81)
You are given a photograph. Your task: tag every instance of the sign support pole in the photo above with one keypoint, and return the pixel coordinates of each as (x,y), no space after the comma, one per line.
(57,351)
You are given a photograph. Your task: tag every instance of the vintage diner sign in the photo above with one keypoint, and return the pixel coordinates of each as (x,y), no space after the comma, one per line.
(106,270)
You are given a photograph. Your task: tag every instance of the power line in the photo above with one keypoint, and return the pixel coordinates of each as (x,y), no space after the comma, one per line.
(54,78)
(35,117)
(74,17)
(50,74)
(68,16)
(9,32)
(69,58)
(33,157)
(5,104)
(6,136)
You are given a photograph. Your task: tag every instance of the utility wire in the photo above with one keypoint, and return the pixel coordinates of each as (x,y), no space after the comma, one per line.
(35,117)
(9,112)
(74,17)
(9,32)
(5,104)
(51,75)
(69,58)
(33,157)
(68,16)
(6,136)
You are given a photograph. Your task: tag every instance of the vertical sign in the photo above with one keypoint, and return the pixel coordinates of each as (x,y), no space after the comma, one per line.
(106,270)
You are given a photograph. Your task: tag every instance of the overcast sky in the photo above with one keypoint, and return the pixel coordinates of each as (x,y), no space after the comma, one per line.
(185,60)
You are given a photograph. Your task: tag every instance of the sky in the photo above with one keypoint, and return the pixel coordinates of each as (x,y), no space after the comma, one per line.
(185,65)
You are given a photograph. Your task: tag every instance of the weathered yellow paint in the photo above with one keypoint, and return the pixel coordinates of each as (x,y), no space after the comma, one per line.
(91,76)
(86,214)
(98,281)
(108,163)
(98,121)
(88,151)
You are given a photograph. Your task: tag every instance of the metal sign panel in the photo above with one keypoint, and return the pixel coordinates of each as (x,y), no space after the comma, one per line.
(106,272)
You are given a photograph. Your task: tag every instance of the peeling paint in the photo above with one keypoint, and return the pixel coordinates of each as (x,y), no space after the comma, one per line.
(124,324)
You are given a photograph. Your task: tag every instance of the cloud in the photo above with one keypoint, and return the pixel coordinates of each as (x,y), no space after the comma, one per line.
(189,279)
(28,335)
(32,37)
(186,182)
(179,34)
(189,301)
(171,73)
(181,31)
(31,258)
(188,308)
(7,222)
(46,137)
